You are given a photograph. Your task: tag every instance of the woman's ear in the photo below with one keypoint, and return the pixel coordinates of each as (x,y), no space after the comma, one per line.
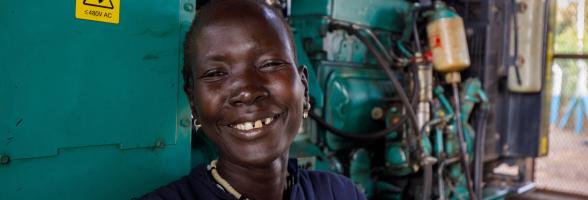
(190,93)
(303,78)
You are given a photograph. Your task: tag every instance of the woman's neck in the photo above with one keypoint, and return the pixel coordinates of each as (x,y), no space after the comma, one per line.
(259,182)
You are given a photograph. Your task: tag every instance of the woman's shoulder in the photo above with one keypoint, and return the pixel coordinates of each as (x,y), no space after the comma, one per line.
(328,185)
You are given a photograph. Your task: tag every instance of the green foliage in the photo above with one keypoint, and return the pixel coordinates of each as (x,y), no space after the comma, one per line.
(566,41)
(566,36)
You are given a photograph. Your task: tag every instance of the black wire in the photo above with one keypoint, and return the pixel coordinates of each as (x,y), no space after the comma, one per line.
(356,135)
(383,49)
(385,65)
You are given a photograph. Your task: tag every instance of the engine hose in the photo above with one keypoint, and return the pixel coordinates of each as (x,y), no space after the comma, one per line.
(428,162)
(479,152)
(354,135)
(462,145)
(385,65)
(427,180)
(415,31)
(440,180)
(383,49)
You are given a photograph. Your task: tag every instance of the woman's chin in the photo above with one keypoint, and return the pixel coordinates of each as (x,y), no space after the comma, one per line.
(259,159)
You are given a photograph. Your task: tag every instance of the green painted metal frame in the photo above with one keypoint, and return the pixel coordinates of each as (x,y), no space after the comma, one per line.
(92,110)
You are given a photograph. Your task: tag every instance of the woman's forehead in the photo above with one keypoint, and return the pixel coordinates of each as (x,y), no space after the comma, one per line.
(250,32)
(241,30)
(225,28)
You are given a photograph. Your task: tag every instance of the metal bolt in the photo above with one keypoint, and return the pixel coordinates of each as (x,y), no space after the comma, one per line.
(4,159)
(377,113)
(395,120)
(393,109)
(185,122)
(522,7)
(470,31)
(520,61)
(159,144)
(188,7)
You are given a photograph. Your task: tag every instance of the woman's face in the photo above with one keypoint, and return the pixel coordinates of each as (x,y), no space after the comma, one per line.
(248,94)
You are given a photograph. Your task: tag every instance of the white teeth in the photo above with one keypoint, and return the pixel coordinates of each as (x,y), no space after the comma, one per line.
(267,120)
(245,126)
(240,126)
(248,125)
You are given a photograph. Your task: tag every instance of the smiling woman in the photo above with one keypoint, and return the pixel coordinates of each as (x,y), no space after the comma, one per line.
(249,98)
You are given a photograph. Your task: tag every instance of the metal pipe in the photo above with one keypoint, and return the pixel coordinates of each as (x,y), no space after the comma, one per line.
(425,91)
(479,153)
(441,183)
(462,145)
(428,161)
(427,179)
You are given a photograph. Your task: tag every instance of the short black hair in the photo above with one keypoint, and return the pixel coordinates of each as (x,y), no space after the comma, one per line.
(200,21)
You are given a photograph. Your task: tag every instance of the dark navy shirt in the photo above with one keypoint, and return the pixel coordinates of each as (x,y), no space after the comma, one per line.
(308,185)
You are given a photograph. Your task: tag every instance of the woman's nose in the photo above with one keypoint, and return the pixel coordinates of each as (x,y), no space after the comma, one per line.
(247,93)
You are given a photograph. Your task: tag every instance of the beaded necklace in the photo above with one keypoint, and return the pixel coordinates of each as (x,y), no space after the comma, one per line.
(228,188)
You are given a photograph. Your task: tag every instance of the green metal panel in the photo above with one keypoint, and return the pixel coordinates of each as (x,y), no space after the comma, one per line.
(311,7)
(384,14)
(92,110)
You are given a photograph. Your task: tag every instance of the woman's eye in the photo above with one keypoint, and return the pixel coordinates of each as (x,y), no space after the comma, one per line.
(272,65)
(213,74)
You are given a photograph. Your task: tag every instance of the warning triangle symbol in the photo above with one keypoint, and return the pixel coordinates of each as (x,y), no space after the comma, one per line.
(99,3)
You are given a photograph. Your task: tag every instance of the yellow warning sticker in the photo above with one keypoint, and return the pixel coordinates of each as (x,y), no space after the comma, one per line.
(98,10)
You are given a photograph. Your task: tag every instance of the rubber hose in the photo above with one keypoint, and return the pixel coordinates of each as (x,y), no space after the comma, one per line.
(479,153)
(462,145)
(427,181)
(355,135)
(415,31)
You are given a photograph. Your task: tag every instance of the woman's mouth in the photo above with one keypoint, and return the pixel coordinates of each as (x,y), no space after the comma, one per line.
(255,124)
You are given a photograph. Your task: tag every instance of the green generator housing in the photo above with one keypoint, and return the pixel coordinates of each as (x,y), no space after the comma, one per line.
(92,110)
